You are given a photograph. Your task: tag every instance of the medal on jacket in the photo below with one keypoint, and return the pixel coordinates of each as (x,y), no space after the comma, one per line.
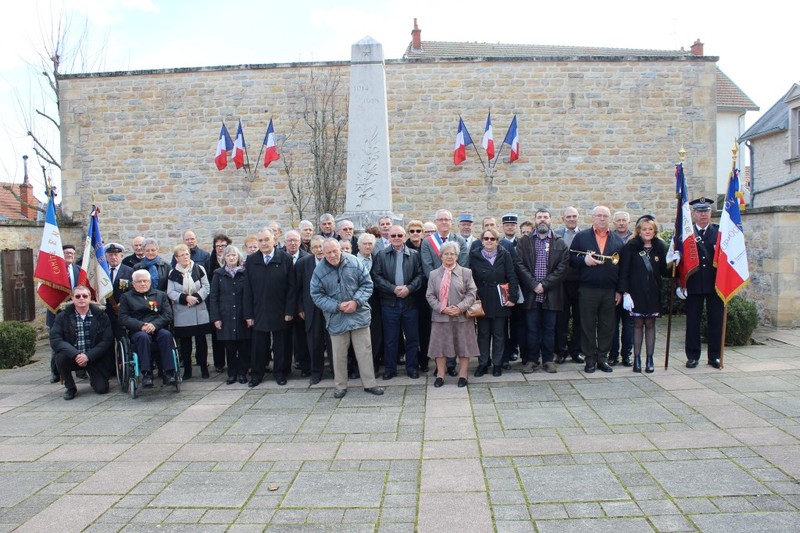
(153,306)
(123,284)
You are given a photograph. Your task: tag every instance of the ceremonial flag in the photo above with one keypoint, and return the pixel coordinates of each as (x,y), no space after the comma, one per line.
(488,138)
(271,152)
(94,268)
(462,141)
(730,256)
(512,140)
(51,270)
(239,147)
(683,238)
(224,144)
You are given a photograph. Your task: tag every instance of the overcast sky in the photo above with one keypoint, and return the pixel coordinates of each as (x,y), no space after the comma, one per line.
(752,39)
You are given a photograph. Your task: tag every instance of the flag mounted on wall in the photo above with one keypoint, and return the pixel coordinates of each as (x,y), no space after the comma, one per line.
(488,138)
(270,149)
(239,147)
(462,141)
(512,140)
(224,145)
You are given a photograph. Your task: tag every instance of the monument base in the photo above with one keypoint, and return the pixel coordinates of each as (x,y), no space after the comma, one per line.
(363,219)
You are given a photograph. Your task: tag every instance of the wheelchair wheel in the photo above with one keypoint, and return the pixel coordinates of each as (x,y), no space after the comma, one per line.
(176,360)
(121,347)
(132,387)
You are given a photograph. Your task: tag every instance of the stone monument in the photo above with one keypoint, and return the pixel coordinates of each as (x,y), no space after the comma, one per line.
(369,181)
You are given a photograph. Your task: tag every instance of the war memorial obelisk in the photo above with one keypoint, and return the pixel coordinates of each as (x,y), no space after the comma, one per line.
(369,181)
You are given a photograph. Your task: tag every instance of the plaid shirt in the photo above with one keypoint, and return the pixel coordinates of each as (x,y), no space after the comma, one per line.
(542,247)
(83,339)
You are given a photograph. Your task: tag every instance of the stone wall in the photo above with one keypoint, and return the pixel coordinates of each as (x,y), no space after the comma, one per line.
(141,144)
(773,168)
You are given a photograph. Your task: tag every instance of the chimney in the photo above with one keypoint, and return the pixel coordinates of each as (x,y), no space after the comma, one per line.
(26,193)
(697,48)
(416,37)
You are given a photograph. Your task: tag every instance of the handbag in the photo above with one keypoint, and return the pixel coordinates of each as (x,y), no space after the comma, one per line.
(475,310)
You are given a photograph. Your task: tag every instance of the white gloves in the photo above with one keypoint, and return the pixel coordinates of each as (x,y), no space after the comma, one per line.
(627,302)
(676,258)
(680,293)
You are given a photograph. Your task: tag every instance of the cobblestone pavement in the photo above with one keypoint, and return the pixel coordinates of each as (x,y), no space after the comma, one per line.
(676,450)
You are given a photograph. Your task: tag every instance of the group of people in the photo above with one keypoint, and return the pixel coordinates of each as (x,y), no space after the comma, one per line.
(393,298)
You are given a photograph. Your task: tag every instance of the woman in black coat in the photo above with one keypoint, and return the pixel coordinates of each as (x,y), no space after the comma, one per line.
(493,271)
(642,266)
(226,312)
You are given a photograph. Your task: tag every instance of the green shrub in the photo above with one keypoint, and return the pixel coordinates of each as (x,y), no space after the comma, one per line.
(17,344)
(742,321)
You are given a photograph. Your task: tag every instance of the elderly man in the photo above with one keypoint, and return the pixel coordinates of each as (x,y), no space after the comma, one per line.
(138,252)
(384,224)
(465,221)
(569,345)
(270,304)
(277,232)
(598,287)
(306,230)
(366,245)
(398,276)
(341,287)
(623,346)
(82,339)
(197,254)
(345,231)
(326,226)
(147,314)
(120,276)
(73,272)
(317,341)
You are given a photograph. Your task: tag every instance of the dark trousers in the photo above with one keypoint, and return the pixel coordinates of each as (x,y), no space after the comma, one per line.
(569,344)
(541,326)
(491,339)
(376,337)
(319,343)
(262,343)
(200,352)
(714,311)
(399,320)
(515,325)
(238,355)
(624,318)
(299,345)
(143,342)
(219,349)
(98,379)
(597,323)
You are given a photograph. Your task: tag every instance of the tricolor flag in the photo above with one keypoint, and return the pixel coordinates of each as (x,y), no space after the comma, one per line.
(94,268)
(51,270)
(224,145)
(488,138)
(462,141)
(683,238)
(271,151)
(239,147)
(730,257)
(512,140)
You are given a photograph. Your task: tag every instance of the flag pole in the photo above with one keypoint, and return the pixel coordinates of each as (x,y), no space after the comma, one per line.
(682,153)
(734,153)
(260,151)
(246,155)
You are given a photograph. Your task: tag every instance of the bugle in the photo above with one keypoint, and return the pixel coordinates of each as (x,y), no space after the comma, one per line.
(614,258)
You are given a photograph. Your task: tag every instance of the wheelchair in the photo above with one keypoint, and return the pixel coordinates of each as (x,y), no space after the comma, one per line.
(129,374)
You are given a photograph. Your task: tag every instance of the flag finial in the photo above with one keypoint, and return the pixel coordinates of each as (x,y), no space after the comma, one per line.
(682,153)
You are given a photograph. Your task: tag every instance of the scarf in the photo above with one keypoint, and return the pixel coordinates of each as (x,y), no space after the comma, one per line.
(489,256)
(444,288)
(188,282)
(233,271)
(150,265)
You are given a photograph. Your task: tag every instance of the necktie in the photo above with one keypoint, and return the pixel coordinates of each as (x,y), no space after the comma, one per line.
(112,275)
(398,268)
(267,259)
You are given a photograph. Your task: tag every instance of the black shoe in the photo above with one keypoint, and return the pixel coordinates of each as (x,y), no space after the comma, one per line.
(626,361)
(578,358)
(452,372)
(377,391)
(55,378)
(70,393)
(714,362)
(187,373)
(462,382)
(219,369)
(204,372)
(242,379)
(496,371)
(231,380)
(339,393)
(424,367)
(438,383)
(605,367)
(691,363)
(413,374)
(513,357)
(305,373)
(561,359)
(253,382)
(297,365)
(314,380)
(506,366)
(613,361)
(280,380)
(589,368)
(649,368)
(388,375)
(481,371)
(147,380)
(169,377)
(637,363)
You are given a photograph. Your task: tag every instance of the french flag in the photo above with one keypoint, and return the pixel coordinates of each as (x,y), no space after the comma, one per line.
(462,141)
(51,270)
(94,268)
(683,238)
(512,140)
(488,138)
(730,257)
(271,152)
(224,145)
(239,147)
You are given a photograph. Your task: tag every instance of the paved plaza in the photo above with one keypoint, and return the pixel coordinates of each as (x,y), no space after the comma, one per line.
(676,450)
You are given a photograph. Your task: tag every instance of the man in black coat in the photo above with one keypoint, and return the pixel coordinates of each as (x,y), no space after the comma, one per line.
(82,339)
(120,276)
(598,295)
(73,272)
(569,345)
(147,314)
(397,275)
(270,304)
(318,341)
(296,345)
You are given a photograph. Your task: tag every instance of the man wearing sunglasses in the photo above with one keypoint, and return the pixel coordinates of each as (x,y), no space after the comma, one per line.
(82,339)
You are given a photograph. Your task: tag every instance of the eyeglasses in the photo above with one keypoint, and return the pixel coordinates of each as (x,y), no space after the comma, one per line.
(429,231)
(489,238)
(79,296)
(415,231)
(444,220)
(396,235)
(141,281)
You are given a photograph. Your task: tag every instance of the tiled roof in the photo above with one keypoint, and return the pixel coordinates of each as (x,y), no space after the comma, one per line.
(10,208)
(730,96)
(450,50)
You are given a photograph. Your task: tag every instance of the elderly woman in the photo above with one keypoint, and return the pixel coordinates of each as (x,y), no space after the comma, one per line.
(493,269)
(152,262)
(226,303)
(642,266)
(188,289)
(451,290)
(250,245)
(415,229)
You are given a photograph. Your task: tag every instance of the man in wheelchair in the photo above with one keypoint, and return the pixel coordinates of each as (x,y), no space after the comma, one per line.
(82,339)
(147,314)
